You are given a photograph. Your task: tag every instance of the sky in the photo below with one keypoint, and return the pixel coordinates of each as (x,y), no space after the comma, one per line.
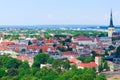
(60,12)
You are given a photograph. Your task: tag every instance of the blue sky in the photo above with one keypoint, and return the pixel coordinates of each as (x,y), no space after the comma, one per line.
(42,12)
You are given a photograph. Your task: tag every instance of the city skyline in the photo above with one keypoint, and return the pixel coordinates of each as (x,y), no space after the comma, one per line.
(39,12)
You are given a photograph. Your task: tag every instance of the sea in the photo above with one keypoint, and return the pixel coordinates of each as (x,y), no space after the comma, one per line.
(64,27)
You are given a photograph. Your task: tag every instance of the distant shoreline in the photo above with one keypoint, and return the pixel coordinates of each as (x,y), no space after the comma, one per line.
(59,26)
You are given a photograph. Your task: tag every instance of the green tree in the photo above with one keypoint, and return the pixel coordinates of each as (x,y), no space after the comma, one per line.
(12,72)
(89,74)
(82,58)
(50,60)
(38,37)
(118,50)
(40,51)
(40,59)
(54,45)
(15,63)
(100,68)
(69,49)
(29,42)
(66,75)
(36,64)
(62,49)
(75,77)
(33,70)
(51,75)
(23,72)
(24,65)
(23,50)
(67,40)
(73,67)
(100,77)
(2,72)
(111,47)
(88,59)
(1,64)
(29,77)
(66,64)
(106,66)
(94,54)
(106,52)
(57,63)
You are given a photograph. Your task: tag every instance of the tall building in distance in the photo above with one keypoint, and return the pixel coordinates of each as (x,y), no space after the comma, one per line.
(111,27)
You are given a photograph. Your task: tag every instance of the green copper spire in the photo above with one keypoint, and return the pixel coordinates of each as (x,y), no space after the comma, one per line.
(111,20)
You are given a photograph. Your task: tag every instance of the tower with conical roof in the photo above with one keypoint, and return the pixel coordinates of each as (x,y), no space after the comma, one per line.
(111,28)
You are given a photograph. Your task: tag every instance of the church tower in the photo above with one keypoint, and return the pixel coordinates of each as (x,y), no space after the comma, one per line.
(111,28)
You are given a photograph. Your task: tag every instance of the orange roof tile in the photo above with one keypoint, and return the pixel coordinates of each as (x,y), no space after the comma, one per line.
(3,48)
(74,61)
(99,51)
(91,64)
(69,53)
(7,43)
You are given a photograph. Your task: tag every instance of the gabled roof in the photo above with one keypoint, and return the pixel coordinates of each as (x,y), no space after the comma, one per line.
(83,38)
(91,64)
(74,61)
(69,53)
(23,58)
(51,40)
(44,47)
(7,43)
(3,48)
(99,51)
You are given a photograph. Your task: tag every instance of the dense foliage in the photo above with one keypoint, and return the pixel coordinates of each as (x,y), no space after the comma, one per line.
(15,35)
(86,59)
(118,51)
(13,69)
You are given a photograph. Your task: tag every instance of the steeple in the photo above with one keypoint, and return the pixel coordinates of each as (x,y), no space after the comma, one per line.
(111,20)
(111,28)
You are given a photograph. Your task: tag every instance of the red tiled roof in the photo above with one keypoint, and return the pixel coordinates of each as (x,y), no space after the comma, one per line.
(82,38)
(74,61)
(51,40)
(44,48)
(16,49)
(7,43)
(3,48)
(69,53)
(91,64)
(99,44)
(86,52)
(35,41)
(20,45)
(99,51)
(23,58)
(33,47)
(74,45)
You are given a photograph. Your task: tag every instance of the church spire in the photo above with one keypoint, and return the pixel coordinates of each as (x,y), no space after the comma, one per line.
(111,20)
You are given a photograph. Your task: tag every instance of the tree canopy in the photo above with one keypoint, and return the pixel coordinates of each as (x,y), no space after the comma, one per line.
(60,70)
